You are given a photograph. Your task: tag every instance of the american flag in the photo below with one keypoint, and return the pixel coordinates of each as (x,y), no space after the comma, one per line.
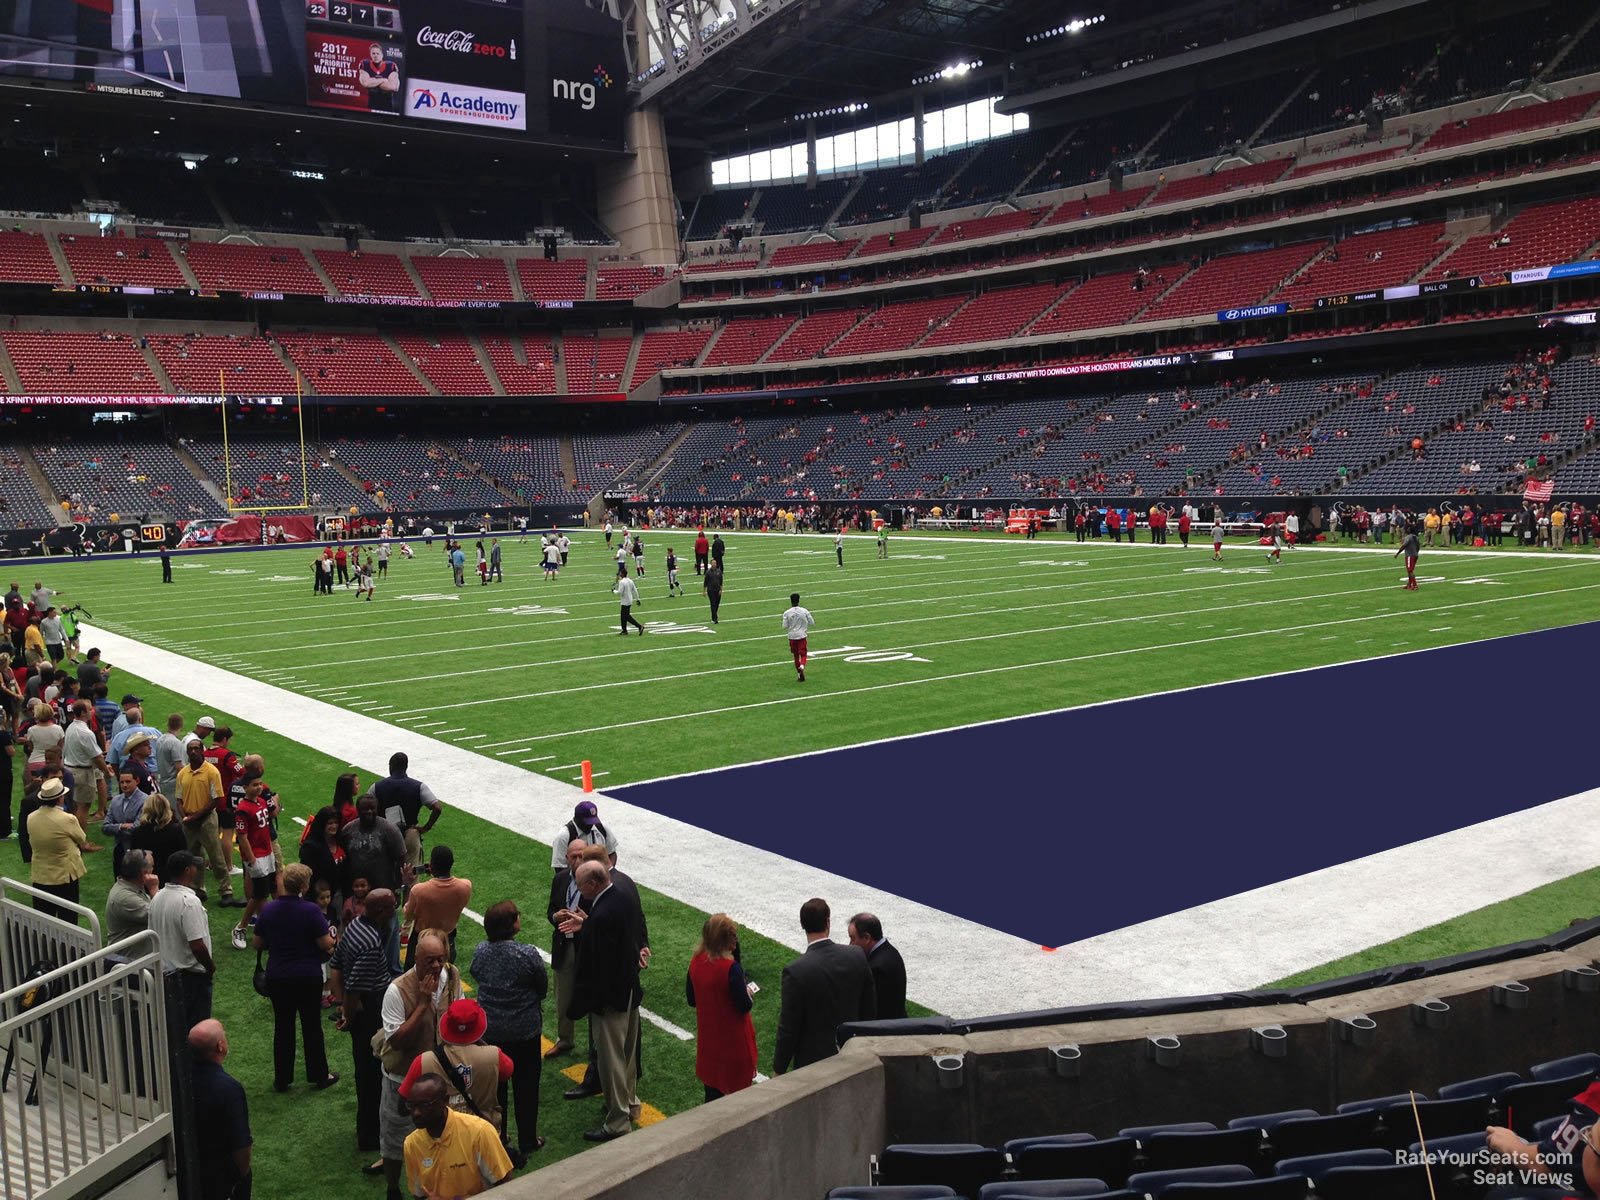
(1539,490)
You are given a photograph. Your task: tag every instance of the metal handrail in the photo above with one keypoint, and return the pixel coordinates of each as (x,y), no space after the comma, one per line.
(87,1045)
(29,936)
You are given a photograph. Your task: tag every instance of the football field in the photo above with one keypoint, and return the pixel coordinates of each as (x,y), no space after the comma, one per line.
(946,632)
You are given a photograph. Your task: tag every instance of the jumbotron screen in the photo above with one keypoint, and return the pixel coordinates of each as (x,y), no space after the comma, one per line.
(487,65)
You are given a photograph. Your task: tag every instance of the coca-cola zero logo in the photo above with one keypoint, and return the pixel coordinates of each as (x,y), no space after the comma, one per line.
(462,41)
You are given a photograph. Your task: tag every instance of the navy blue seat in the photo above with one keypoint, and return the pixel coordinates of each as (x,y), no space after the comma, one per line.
(1110,1159)
(1529,1103)
(1169,1151)
(1461,1144)
(1390,1182)
(1485,1085)
(1049,1189)
(962,1166)
(1143,1131)
(1155,1183)
(1303,1137)
(913,1191)
(1270,1121)
(1317,1165)
(1278,1187)
(1379,1103)
(1016,1145)
(1565,1068)
(1440,1119)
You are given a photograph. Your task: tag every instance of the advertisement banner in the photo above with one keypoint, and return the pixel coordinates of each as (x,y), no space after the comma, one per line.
(587,92)
(468,62)
(357,74)
(434,100)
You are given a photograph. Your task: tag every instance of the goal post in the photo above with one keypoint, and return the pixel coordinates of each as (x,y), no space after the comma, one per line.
(227,454)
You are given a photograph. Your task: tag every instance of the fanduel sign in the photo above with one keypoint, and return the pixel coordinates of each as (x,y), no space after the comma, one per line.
(431,100)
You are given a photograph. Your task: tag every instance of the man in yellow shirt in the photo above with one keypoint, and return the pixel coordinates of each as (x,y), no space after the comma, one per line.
(199,794)
(450,1154)
(1558,527)
(1430,527)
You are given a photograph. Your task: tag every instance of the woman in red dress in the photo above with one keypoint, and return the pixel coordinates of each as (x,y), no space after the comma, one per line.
(725,1036)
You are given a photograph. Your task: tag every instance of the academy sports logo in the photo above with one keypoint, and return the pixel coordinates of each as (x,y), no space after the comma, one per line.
(436,101)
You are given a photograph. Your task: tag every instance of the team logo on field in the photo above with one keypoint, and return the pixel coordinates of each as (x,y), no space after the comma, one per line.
(529,610)
(430,596)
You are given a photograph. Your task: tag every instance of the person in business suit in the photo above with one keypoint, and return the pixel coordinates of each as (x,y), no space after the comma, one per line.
(590,1084)
(607,992)
(888,968)
(822,989)
(564,900)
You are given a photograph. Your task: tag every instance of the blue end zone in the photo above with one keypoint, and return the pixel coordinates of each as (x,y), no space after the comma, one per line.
(1059,827)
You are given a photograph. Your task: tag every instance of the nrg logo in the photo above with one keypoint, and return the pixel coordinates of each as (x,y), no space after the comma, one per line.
(585,92)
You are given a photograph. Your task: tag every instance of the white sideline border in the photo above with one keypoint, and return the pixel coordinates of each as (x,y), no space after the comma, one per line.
(956,966)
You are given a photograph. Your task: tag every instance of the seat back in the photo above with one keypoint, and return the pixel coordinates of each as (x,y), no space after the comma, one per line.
(1016,1145)
(1304,1137)
(1110,1159)
(912,1191)
(1048,1189)
(1143,1131)
(1169,1151)
(1279,1187)
(1270,1121)
(962,1167)
(1439,1118)
(1565,1068)
(1403,1182)
(1527,1104)
(1485,1085)
(1379,1103)
(1316,1166)
(1155,1183)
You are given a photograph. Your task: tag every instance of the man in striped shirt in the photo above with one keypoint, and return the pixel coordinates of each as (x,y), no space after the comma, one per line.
(358,976)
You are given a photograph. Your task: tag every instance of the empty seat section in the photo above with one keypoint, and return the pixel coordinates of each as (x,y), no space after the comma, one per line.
(997,314)
(350,364)
(457,278)
(1514,120)
(896,242)
(526,365)
(79,364)
(1085,155)
(1102,301)
(130,479)
(1220,121)
(559,279)
(1104,205)
(792,207)
(1344,162)
(1001,164)
(121,261)
(241,267)
(527,464)
(594,362)
(887,193)
(965,1168)
(624,283)
(21,505)
(602,458)
(895,326)
(449,362)
(358,273)
(265,470)
(814,334)
(990,226)
(714,211)
(706,461)
(661,348)
(1231,280)
(745,339)
(1232,179)
(414,474)
(1541,236)
(1367,261)
(26,258)
(811,252)
(200,364)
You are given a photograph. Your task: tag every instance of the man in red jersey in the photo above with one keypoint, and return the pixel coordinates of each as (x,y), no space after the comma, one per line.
(702,551)
(227,764)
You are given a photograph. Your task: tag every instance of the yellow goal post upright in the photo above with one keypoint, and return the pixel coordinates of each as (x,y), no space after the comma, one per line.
(227,454)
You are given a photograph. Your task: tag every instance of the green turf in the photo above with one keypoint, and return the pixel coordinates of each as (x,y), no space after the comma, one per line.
(304,1127)
(942,633)
(1533,914)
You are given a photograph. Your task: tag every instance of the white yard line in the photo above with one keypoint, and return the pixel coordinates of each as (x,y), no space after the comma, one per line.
(957,966)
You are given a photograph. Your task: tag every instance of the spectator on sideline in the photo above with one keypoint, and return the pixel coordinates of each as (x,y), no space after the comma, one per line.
(179,920)
(221,1107)
(607,991)
(199,792)
(888,968)
(320,850)
(476,1162)
(158,832)
(401,800)
(128,901)
(512,984)
(725,1036)
(122,817)
(585,827)
(822,989)
(140,749)
(131,714)
(170,755)
(623,882)
(358,977)
(81,754)
(564,901)
(373,848)
(295,935)
(57,839)
(411,1009)
(437,902)
(475,1070)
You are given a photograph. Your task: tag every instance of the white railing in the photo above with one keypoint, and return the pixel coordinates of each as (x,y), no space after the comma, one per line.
(30,939)
(86,1088)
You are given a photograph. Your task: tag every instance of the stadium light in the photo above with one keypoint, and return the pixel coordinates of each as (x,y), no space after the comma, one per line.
(1071,28)
(953,71)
